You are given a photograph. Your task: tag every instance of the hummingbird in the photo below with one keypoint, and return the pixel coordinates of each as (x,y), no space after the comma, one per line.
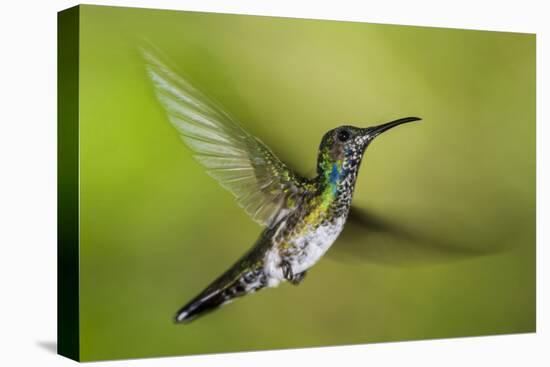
(301,217)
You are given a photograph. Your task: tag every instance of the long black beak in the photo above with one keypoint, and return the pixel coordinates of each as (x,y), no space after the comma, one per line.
(377,130)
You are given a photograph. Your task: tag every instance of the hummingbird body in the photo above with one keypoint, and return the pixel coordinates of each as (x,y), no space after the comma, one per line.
(302,217)
(304,236)
(292,245)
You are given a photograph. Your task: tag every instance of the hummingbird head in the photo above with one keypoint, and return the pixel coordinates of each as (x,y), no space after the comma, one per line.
(342,148)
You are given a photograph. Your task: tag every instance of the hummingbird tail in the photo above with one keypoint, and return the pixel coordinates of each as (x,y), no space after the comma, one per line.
(232,284)
(200,305)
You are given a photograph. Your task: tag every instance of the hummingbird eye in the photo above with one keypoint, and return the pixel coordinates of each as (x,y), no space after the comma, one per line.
(343,135)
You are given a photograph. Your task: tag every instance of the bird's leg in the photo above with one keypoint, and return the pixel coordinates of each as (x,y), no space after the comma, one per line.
(287,270)
(289,275)
(297,279)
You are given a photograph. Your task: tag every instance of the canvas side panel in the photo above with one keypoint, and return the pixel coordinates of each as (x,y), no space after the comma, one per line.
(68,343)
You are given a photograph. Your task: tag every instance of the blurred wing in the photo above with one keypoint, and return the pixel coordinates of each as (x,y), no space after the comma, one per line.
(263,185)
(379,239)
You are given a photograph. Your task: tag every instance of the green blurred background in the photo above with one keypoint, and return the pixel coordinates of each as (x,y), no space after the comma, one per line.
(155,229)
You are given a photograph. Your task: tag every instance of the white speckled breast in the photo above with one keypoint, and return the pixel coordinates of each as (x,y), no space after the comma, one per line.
(307,250)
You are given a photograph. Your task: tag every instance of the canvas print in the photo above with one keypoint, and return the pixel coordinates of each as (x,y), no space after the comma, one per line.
(236,183)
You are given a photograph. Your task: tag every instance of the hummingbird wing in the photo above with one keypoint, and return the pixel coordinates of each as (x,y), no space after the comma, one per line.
(262,184)
(380,239)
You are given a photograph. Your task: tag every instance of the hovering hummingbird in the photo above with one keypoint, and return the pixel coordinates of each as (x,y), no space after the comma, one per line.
(301,217)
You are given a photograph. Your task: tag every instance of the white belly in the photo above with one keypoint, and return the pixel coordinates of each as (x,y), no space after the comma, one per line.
(310,248)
